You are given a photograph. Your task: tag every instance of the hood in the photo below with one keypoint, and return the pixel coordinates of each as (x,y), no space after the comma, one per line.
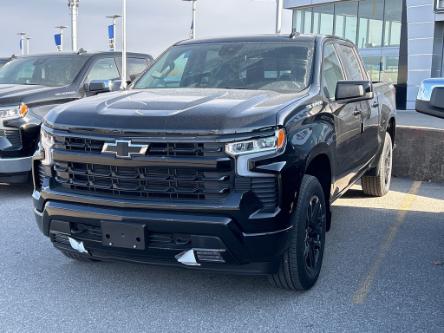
(11,94)
(197,111)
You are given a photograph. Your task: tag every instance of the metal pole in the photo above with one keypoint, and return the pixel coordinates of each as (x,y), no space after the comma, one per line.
(279,8)
(74,5)
(123,85)
(27,45)
(22,42)
(193,26)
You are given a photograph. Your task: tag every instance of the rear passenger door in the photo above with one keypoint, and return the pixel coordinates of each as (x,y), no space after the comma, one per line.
(347,123)
(369,109)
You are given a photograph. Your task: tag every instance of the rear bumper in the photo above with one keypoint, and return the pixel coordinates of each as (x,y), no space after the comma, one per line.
(167,234)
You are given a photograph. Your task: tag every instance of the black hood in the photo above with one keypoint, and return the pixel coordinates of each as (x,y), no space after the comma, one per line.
(11,94)
(197,111)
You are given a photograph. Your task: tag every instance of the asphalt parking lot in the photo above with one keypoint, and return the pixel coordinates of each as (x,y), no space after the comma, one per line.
(383,271)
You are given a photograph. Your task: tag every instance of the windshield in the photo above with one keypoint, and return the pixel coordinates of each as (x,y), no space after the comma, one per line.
(51,71)
(278,66)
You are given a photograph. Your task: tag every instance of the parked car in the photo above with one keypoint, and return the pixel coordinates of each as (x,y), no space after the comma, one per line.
(3,61)
(430,98)
(31,86)
(225,155)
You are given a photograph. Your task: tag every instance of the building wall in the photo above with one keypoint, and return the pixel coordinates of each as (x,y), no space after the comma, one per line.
(421,22)
(424,41)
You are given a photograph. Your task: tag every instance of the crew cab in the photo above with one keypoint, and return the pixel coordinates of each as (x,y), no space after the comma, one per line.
(225,155)
(30,86)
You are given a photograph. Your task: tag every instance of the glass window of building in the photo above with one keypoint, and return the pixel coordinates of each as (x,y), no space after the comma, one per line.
(346,20)
(302,20)
(323,18)
(331,71)
(392,22)
(371,13)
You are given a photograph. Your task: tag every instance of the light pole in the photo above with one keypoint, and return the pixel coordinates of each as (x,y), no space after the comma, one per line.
(279,8)
(113,40)
(123,84)
(61,29)
(193,20)
(22,42)
(27,45)
(74,6)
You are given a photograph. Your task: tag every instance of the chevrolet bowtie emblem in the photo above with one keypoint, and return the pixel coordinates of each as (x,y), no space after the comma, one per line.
(124,149)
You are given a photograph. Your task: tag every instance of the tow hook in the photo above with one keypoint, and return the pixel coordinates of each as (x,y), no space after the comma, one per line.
(77,245)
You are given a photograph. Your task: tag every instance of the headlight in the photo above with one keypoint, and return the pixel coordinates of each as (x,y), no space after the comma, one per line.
(271,143)
(14,112)
(46,142)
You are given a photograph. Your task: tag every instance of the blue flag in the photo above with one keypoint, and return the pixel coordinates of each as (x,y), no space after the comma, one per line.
(111,31)
(58,39)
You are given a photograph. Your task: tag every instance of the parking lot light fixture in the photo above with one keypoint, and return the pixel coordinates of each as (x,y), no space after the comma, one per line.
(62,30)
(113,40)
(22,42)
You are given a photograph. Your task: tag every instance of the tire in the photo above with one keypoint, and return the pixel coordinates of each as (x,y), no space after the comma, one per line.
(301,263)
(77,256)
(378,186)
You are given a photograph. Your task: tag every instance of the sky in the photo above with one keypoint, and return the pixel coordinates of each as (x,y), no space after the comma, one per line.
(152,25)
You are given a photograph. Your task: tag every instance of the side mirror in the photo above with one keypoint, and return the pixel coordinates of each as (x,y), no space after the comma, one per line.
(430,98)
(102,86)
(353,91)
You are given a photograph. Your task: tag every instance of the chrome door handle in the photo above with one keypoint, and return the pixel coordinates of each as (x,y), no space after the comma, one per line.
(375,104)
(357,113)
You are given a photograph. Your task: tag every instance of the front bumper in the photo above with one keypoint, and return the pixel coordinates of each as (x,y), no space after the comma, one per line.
(167,234)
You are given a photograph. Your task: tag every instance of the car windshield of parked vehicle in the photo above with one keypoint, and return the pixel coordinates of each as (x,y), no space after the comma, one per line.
(277,66)
(51,71)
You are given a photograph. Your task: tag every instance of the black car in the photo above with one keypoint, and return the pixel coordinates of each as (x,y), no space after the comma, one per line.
(225,155)
(3,61)
(30,86)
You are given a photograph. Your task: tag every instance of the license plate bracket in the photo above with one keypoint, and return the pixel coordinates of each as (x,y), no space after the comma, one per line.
(123,235)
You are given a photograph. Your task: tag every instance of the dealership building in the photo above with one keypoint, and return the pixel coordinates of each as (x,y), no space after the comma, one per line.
(400,41)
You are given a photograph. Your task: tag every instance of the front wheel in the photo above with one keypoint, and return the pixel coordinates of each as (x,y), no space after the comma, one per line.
(301,263)
(379,185)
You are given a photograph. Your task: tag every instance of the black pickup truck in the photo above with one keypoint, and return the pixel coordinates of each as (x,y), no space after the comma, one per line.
(225,155)
(30,86)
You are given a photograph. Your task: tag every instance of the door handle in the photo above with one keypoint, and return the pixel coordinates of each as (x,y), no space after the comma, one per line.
(375,104)
(357,113)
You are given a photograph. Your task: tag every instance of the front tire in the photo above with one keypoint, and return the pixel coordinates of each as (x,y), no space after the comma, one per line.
(378,186)
(301,263)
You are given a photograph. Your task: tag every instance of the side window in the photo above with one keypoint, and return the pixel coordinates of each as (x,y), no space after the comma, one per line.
(103,69)
(351,63)
(136,66)
(331,71)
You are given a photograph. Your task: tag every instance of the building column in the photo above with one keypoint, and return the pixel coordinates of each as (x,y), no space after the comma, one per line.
(421,22)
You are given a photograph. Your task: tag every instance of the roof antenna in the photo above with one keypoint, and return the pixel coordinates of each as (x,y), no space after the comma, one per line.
(294,33)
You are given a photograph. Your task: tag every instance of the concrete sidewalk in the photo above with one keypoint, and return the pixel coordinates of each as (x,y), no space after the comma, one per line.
(411,118)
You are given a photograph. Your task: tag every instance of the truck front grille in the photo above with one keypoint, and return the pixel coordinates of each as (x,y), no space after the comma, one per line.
(13,136)
(145,182)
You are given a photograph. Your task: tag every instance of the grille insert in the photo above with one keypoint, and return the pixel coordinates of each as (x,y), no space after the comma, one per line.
(14,137)
(144,182)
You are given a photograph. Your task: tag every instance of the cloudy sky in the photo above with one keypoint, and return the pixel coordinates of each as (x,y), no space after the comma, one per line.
(153,25)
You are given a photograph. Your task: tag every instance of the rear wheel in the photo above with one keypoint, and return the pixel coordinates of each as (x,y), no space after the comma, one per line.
(301,264)
(379,185)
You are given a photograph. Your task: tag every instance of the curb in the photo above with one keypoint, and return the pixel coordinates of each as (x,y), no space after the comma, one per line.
(419,153)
